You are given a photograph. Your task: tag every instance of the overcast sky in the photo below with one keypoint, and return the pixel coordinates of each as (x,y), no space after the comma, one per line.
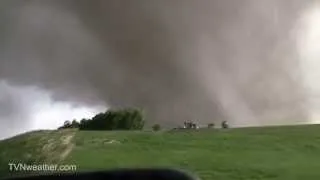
(36,110)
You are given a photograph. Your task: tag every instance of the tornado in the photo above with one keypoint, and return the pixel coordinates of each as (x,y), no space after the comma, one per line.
(207,60)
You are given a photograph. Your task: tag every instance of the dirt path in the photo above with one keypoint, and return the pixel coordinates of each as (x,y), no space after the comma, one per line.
(66,141)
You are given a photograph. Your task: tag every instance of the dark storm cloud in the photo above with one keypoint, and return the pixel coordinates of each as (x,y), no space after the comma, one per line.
(179,59)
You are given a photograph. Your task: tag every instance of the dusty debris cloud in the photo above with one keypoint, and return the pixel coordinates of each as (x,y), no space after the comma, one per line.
(209,60)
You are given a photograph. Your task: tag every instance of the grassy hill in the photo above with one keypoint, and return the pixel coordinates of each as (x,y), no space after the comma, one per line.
(277,153)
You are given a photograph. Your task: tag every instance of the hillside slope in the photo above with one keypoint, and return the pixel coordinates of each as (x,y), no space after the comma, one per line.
(280,153)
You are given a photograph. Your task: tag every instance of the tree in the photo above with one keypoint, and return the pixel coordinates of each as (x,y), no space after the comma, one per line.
(75,124)
(67,123)
(120,119)
(225,125)
(83,123)
(156,127)
(211,125)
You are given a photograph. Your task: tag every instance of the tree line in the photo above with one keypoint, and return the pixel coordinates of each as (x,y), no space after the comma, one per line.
(122,119)
(117,119)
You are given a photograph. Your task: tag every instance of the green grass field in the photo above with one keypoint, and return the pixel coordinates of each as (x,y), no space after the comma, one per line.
(279,153)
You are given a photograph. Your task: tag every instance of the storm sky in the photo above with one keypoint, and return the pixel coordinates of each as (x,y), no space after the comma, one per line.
(251,62)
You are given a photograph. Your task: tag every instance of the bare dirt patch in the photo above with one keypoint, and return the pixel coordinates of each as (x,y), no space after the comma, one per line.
(67,141)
